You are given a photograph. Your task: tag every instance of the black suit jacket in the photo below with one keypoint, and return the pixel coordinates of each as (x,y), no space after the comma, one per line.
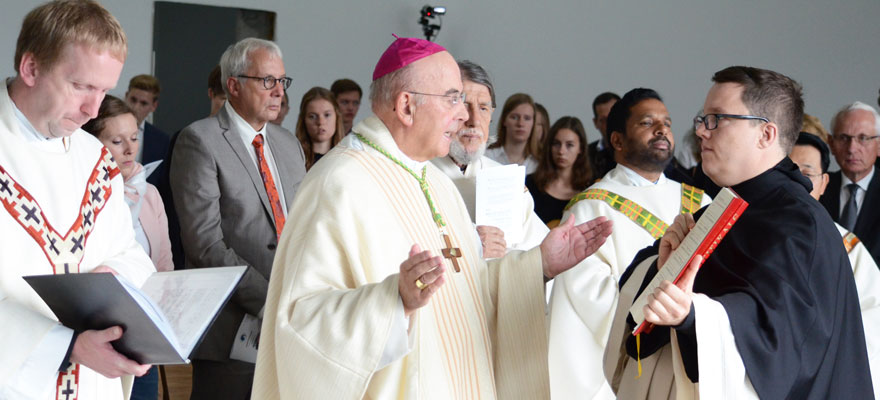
(155,145)
(600,161)
(868,222)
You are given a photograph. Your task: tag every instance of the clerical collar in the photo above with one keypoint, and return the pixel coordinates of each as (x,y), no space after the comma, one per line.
(245,129)
(637,180)
(863,183)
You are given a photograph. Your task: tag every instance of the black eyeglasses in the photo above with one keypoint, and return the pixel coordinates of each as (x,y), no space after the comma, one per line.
(455,99)
(710,121)
(270,81)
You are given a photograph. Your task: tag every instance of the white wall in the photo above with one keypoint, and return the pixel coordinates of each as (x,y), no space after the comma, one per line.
(562,52)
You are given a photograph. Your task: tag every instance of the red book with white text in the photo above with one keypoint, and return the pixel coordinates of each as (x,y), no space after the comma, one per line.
(713,225)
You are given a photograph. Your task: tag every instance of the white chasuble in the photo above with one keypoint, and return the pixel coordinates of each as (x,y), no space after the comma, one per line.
(663,377)
(333,296)
(584,298)
(867,278)
(58,207)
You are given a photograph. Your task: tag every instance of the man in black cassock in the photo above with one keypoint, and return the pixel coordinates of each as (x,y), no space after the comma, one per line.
(773,313)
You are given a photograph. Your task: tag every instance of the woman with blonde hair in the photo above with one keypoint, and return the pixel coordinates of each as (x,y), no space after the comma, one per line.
(814,125)
(514,131)
(319,125)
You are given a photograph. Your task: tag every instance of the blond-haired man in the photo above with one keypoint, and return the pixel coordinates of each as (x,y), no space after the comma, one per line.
(63,207)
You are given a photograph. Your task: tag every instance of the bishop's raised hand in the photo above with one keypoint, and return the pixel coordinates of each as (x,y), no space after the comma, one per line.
(568,244)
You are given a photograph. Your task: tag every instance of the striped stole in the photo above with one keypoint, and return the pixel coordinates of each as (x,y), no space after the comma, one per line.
(691,198)
(458,315)
(64,252)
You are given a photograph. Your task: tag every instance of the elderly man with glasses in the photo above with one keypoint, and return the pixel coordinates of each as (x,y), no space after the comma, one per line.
(379,291)
(233,176)
(853,190)
(811,154)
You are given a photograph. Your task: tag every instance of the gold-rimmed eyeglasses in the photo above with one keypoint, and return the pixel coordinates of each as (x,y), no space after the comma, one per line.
(455,98)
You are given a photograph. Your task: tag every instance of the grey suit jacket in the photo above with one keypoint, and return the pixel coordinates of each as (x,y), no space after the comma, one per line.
(225,214)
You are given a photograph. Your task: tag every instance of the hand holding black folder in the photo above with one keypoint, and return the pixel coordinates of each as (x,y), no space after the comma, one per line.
(163,320)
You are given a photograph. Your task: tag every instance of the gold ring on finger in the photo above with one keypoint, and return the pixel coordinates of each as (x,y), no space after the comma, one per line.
(421,285)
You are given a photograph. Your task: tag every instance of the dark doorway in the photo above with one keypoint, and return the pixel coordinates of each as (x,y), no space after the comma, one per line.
(188,40)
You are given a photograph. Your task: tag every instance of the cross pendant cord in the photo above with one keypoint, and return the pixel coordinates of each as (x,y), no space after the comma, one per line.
(449,252)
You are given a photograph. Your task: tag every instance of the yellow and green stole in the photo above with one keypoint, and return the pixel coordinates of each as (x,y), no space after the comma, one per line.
(691,197)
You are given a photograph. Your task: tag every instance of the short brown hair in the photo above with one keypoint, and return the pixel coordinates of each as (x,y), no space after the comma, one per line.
(110,107)
(47,29)
(147,83)
(770,95)
(346,85)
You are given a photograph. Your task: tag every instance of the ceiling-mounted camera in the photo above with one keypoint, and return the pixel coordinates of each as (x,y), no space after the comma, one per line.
(429,13)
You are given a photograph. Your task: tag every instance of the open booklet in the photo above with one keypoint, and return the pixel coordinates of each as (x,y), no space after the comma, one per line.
(715,222)
(163,320)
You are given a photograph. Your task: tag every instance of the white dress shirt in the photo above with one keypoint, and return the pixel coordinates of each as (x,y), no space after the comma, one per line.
(247,133)
(860,194)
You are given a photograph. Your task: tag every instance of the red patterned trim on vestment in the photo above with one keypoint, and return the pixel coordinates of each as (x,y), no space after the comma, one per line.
(63,252)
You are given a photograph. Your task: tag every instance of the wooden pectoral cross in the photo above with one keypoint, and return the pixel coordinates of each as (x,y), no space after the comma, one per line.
(452,253)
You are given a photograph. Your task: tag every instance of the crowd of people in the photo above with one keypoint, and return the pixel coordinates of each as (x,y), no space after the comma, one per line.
(366,267)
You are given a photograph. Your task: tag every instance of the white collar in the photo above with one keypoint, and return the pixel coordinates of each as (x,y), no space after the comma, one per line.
(375,130)
(863,183)
(638,180)
(243,127)
(30,133)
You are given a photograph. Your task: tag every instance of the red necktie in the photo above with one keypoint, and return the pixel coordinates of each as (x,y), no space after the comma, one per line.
(269,183)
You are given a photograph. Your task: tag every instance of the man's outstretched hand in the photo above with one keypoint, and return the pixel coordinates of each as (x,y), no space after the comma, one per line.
(567,244)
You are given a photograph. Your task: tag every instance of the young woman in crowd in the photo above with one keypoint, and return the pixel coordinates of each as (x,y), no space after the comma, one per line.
(319,126)
(116,127)
(542,126)
(514,130)
(563,172)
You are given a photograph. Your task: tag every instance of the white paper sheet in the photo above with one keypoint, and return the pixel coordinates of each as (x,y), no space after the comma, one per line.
(189,298)
(499,199)
(247,340)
